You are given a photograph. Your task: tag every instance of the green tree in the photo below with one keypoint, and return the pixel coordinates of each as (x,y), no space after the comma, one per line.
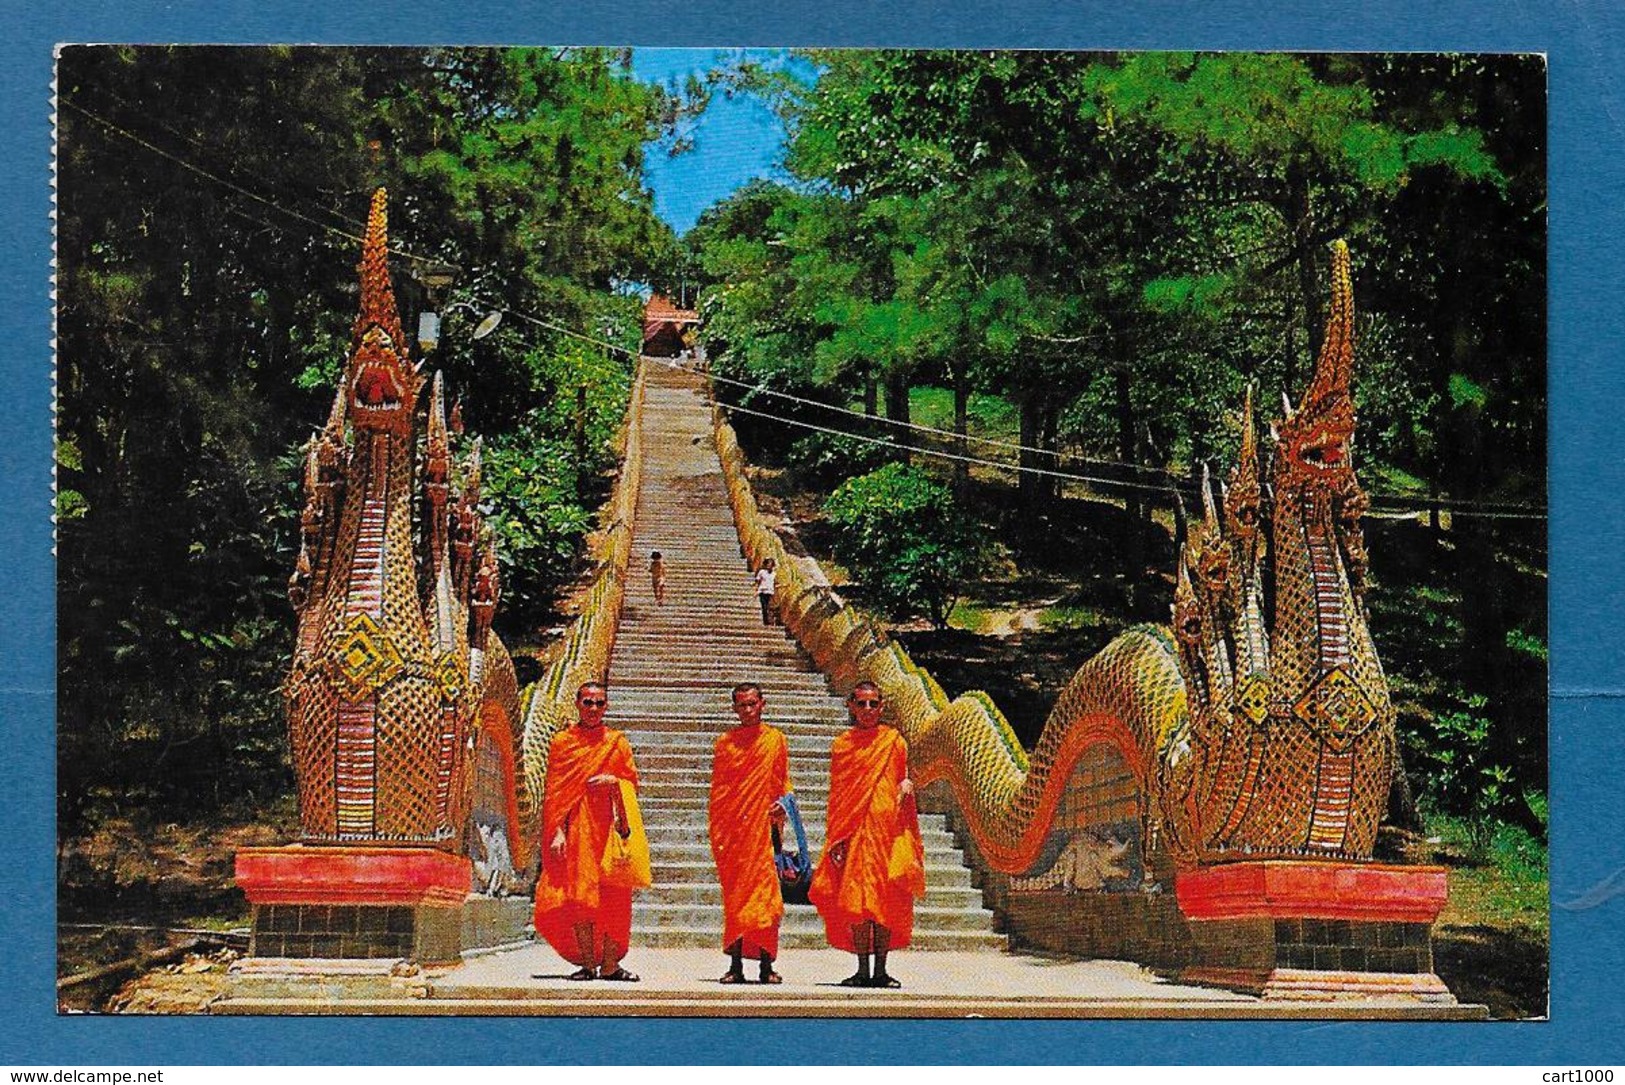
(900,532)
(210,207)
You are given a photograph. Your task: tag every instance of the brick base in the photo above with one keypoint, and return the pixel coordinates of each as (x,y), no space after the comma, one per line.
(1315,930)
(368,903)
(1143,927)
(424,933)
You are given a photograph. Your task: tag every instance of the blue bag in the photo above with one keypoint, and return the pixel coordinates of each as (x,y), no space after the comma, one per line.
(795,868)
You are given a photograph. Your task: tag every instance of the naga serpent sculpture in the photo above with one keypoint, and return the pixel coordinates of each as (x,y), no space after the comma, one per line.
(402,703)
(1258,727)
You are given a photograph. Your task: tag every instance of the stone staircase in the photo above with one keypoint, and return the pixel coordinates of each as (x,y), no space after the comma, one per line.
(671,676)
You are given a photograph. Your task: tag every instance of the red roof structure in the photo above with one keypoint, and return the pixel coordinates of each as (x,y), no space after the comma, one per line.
(663,326)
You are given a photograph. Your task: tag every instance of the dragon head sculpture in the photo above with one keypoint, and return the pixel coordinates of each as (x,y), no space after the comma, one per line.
(1289,748)
(382,382)
(395,674)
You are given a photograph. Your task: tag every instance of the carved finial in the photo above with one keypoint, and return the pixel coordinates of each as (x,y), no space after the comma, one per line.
(1335,364)
(1210,514)
(1243,495)
(377,289)
(1247,458)
(439,449)
(382,382)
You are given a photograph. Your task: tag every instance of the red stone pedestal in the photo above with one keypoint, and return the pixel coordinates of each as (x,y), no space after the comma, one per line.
(322,874)
(1315,930)
(355,902)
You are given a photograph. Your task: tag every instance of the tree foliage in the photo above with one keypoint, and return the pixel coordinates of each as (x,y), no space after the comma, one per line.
(1120,245)
(898,529)
(211,205)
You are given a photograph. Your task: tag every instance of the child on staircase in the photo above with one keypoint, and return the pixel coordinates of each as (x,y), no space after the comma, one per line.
(657,576)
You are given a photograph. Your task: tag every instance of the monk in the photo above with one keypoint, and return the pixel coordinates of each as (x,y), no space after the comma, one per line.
(587,923)
(873,865)
(750,772)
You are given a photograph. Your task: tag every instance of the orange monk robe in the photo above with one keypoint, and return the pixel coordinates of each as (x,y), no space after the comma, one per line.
(569,892)
(750,771)
(885,861)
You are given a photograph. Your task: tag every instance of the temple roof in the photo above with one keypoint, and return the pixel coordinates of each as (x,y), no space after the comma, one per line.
(660,309)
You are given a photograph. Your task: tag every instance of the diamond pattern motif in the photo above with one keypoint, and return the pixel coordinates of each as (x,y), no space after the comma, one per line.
(1336,709)
(367,658)
(1253,699)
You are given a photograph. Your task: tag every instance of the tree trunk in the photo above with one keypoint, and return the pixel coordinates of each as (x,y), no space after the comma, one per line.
(871,394)
(897,407)
(1029,493)
(1126,444)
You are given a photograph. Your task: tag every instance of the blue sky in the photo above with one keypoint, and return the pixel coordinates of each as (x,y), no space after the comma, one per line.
(736,139)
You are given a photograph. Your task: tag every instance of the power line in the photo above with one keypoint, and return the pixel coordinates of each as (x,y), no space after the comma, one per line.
(1488,510)
(1044,471)
(239,189)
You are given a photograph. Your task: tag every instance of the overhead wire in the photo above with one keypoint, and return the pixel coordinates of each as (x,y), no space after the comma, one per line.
(1489,510)
(232,185)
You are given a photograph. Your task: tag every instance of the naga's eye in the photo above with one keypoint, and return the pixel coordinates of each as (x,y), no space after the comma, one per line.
(1247,515)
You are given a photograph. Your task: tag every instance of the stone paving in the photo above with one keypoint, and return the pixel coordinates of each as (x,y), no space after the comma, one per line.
(529,980)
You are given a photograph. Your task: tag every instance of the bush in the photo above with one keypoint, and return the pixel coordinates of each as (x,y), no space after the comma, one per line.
(897,529)
(822,458)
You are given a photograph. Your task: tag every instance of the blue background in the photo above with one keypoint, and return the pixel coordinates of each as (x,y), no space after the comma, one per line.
(1583,41)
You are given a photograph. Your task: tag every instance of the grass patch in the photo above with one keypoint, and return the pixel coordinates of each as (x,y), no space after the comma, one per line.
(1072,619)
(1502,879)
(986,416)
(969,617)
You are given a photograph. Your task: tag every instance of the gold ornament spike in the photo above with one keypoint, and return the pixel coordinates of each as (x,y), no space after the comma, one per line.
(1335,365)
(1243,498)
(381,381)
(377,289)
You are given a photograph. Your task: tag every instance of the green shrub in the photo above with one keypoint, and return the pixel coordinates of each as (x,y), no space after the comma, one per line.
(900,533)
(821,458)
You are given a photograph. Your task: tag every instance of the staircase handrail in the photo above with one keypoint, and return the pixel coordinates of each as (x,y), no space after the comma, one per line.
(1008,798)
(588,642)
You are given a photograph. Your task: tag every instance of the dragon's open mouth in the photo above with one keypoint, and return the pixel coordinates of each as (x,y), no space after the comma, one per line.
(377,389)
(1325,455)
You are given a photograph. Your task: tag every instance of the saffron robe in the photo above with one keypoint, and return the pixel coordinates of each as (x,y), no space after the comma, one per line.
(570,892)
(750,770)
(884,870)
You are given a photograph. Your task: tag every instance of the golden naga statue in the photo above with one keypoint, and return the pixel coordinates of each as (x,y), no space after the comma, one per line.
(1288,743)
(1258,727)
(402,704)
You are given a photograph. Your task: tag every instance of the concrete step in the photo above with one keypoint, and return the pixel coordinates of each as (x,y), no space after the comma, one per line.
(693,847)
(939,873)
(671,781)
(667,730)
(709,895)
(656,937)
(775,676)
(798,918)
(700,635)
(697,745)
(626,700)
(669,766)
(666,791)
(657,729)
(692,818)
